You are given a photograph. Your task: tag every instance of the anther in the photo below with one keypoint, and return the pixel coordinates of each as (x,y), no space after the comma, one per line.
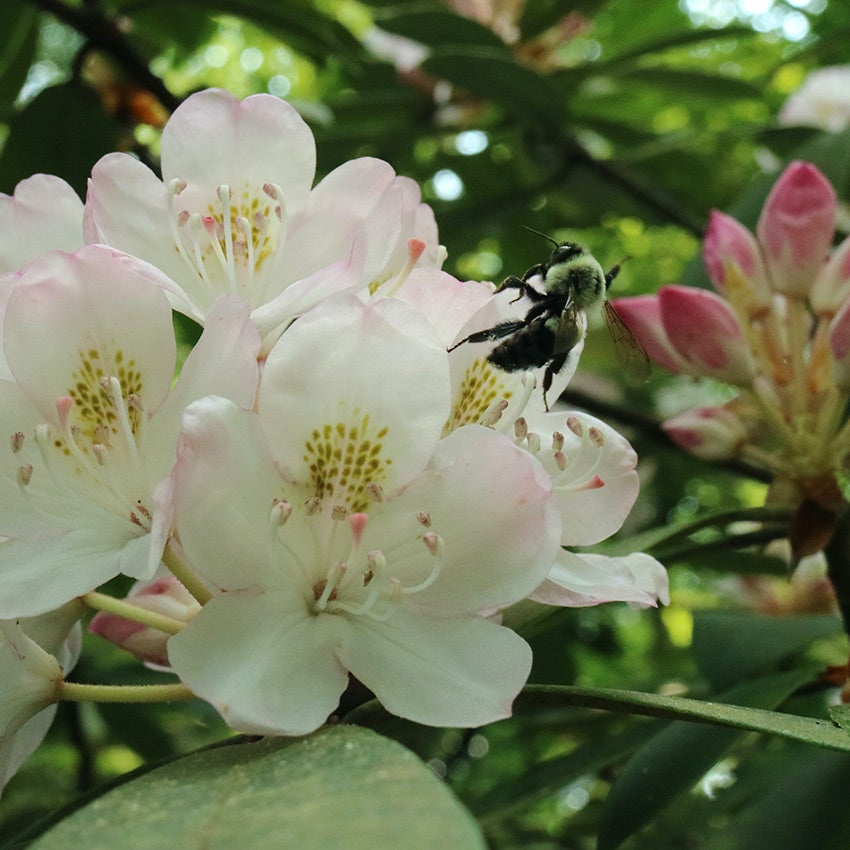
(521,429)
(596,437)
(424,518)
(339,512)
(280,512)
(560,460)
(24,474)
(494,413)
(574,424)
(313,505)
(533,442)
(433,542)
(16,441)
(557,441)
(375,491)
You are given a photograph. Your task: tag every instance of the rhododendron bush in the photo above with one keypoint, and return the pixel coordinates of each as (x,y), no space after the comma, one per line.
(322,524)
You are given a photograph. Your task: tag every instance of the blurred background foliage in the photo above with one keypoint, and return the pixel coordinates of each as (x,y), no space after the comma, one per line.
(620,124)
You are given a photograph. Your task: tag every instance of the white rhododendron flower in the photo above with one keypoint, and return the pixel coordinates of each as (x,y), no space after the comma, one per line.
(235,212)
(91,421)
(343,535)
(823,100)
(22,671)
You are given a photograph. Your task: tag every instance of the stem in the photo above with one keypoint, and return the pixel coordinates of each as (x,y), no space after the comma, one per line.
(837,553)
(102,602)
(77,692)
(182,572)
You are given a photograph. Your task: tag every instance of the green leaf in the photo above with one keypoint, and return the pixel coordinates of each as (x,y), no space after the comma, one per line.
(341,787)
(63,131)
(730,647)
(491,74)
(675,759)
(690,84)
(840,714)
(542,14)
(19,25)
(437,27)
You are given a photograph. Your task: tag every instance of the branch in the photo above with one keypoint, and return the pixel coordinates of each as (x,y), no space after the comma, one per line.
(102,33)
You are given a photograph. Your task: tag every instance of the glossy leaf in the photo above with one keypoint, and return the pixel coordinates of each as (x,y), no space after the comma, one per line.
(437,27)
(342,786)
(674,760)
(730,647)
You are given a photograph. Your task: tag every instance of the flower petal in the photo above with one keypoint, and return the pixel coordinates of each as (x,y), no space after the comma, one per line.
(268,668)
(332,382)
(577,581)
(43,214)
(441,672)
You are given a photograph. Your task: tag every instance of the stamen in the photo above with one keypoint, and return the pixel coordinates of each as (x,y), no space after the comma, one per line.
(375,491)
(223,193)
(574,424)
(121,408)
(280,512)
(493,413)
(16,441)
(557,441)
(335,575)
(434,544)
(596,437)
(560,460)
(24,475)
(424,518)
(533,441)
(244,228)
(521,429)
(196,226)
(313,505)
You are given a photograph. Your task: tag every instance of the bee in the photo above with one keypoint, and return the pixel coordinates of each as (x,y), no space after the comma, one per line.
(571,282)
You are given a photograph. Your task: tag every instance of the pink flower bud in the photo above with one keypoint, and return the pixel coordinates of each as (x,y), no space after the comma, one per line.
(705,332)
(832,286)
(642,316)
(839,346)
(711,433)
(796,227)
(164,595)
(733,260)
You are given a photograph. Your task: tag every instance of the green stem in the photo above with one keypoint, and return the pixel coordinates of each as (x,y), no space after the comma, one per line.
(77,692)
(837,553)
(183,573)
(102,602)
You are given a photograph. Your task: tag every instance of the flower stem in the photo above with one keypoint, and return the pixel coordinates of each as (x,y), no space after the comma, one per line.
(77,692)
(181,571)
(102,602)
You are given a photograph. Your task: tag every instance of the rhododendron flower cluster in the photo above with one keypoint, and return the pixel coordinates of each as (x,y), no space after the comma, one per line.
(325,491)
(778,331)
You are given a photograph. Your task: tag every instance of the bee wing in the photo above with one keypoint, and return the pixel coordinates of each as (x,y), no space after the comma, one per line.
(630,353)
(572,324)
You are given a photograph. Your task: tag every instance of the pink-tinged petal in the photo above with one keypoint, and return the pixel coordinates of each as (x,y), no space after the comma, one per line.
(733,260)
(642,316)
(445,301)
(214,138)
(505,552)
(94,310)
(355,196)
(43,214)
(706,333)
(796,227)
(592,468)
(576,581)
(439,671)
(712,433)
(332,383)
(127,208)
(839,345)
(832,286)
(268,668)
(223,461)
(276,314)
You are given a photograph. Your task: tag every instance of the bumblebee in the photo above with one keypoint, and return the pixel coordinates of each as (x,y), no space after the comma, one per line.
(571,282)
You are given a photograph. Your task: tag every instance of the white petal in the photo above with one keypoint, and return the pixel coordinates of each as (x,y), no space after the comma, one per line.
(267,667)
(369,379)
(224,486)
(598,485)
(91,312)
(441,672)
(576,581)
(214,138)
(43,214)
(489,502)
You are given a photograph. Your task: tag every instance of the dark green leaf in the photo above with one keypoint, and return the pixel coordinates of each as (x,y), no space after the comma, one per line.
(542,14)
(490,74)
(19,26)
(690,84)
(341,787)
(730,647)
(840,714)
(437,27)
(675,759)
(39,141)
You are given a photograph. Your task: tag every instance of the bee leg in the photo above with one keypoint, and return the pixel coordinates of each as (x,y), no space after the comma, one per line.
(553,367)
(613,272)
(499,331)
